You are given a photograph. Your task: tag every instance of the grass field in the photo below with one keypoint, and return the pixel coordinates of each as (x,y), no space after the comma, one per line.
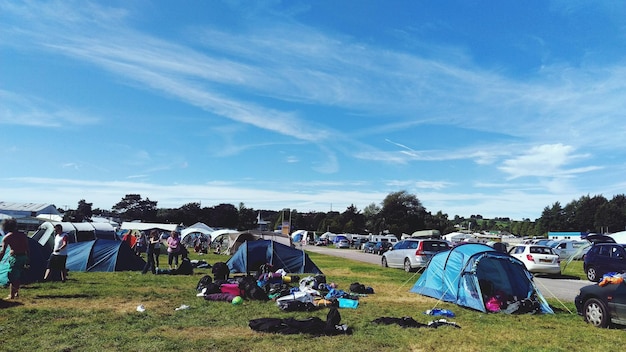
(97,312)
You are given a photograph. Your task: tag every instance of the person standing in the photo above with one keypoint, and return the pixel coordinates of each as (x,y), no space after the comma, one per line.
(58,258)
(173,249)
(141,243)
(18,255)
(152,241)
(157,247)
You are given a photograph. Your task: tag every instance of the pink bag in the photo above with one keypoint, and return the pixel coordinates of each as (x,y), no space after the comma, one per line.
(493,304)
(232,289)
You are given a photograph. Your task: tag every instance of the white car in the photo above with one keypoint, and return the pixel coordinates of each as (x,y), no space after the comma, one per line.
(411,254)
(537,258)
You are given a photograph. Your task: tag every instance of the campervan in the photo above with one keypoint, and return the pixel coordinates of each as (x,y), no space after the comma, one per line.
(384,238)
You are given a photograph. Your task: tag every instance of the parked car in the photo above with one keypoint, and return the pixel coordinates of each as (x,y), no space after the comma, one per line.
(538,259)
(602,305)
(604,258)
(381,247)
(570,248)
(368,247)
(540,242)
(342,244)
(411,254)
(359,242)
(321,242)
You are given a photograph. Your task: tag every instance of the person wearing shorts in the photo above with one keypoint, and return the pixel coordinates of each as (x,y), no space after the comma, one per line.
(18,257)
(58,258)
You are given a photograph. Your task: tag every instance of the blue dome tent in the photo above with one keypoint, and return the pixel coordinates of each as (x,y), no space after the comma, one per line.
(102,255)
(252,254)
(464,274)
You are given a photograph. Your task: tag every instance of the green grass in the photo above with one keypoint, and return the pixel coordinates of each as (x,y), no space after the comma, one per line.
(97,312)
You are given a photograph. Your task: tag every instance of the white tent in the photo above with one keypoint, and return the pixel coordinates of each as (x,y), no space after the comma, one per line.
(218,233)
(201,225)
(235,239)
(205,231)
(454,237)
(143,226)
(619,237)
(50,217)
(328,235)
(296,235)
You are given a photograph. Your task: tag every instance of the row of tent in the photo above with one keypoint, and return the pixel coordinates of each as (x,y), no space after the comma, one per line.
(108,253)
(453,276)
(93,255)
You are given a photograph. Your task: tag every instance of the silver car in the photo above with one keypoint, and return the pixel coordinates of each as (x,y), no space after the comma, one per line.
(411,254)
(342,244)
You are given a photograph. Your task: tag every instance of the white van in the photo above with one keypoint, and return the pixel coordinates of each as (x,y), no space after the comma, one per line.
(384,238)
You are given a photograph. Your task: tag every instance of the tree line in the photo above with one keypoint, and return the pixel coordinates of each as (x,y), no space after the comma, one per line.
(399,213)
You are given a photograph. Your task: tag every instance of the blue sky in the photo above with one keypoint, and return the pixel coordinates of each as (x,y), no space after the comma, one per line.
(497,108)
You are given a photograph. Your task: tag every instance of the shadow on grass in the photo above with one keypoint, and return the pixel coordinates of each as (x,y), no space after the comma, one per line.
(78,295)
(9,304)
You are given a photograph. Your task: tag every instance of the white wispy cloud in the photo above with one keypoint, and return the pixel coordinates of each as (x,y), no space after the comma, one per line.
(18,109)
(546,161)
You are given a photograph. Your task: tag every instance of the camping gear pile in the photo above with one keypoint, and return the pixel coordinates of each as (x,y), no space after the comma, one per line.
(290,292)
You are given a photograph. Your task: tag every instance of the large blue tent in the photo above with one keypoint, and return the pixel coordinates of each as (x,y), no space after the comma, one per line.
(252,254)
(458,276)
(102,255)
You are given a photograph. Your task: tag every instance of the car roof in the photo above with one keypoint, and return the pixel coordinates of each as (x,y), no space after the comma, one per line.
(534,245)
(423,239)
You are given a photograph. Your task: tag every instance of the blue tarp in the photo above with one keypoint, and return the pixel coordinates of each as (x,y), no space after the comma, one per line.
(455,276)
(252,254)
(102,255)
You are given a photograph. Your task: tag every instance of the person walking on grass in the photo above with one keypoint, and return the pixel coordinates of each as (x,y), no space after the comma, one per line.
(150,255)
(18,255)
(157,248)
(58,258)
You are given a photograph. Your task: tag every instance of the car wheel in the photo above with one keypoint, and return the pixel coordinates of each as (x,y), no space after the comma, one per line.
(383,262)
(407,265)
(592,274)
(595,313)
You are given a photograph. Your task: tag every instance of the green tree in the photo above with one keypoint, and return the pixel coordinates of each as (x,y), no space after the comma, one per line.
(353,221)
(224,215)
(373,219)
(332,223)
(439,222)
(402,213)
(588,207)
(611,217)
(247,218)
(133,207)
(83,211)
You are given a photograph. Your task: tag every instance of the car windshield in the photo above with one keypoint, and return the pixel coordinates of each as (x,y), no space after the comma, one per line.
(541,250)
(435,246)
